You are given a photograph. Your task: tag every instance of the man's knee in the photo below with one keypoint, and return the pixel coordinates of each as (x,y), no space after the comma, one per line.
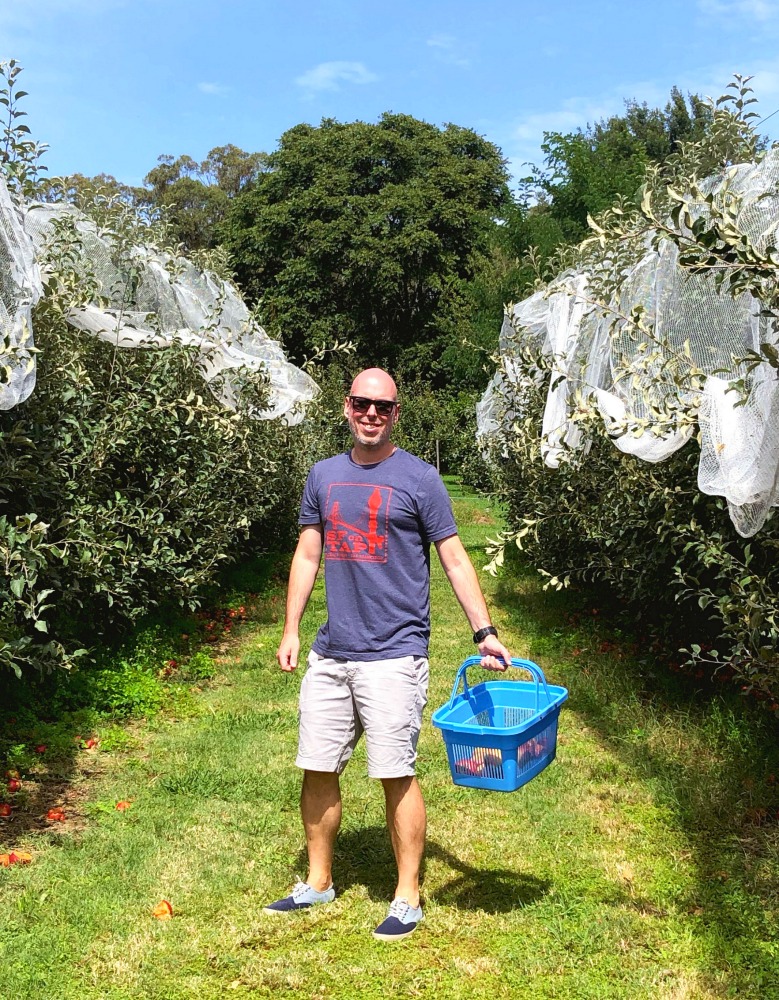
(401,782)
(321,779)
(396,789)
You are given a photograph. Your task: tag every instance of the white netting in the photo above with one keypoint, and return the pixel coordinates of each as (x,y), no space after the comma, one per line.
(20,289)
(647,394)
(153,300)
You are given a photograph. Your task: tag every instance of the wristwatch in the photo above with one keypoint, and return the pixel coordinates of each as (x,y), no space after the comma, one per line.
(482,634)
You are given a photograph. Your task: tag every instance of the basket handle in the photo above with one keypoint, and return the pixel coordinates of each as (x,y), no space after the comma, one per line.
(472,661)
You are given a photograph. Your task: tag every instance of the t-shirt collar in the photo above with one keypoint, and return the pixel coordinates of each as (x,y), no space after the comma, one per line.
(370,465)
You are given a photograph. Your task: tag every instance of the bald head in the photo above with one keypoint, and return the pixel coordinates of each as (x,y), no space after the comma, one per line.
(374,383)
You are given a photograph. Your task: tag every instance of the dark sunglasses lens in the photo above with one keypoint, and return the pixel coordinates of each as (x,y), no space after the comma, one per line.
(360,404)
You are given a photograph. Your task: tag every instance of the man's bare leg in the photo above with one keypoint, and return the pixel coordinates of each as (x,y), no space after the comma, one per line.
(407,824)
(320,808)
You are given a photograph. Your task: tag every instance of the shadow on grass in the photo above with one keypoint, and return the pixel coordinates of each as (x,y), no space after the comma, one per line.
(364,857)
(713,769)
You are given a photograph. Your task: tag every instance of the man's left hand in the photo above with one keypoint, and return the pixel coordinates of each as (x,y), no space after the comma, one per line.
(491,649)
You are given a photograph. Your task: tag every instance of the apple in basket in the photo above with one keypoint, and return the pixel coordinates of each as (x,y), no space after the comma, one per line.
(468,765)
(528,750)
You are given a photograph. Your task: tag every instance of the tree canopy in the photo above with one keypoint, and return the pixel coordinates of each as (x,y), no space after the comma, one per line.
(194,196)
(586,171)
(365,232)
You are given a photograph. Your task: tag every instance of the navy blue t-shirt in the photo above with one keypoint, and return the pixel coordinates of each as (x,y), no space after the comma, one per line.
(378,523)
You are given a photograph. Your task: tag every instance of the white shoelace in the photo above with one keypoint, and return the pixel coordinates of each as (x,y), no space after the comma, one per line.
(302,888)
(299,890)
(400,908)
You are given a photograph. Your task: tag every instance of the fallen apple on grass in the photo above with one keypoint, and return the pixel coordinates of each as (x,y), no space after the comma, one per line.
(15,858)
(163,910)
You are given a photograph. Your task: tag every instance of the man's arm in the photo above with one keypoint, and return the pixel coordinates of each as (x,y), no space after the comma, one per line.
(302,575)
(465,584)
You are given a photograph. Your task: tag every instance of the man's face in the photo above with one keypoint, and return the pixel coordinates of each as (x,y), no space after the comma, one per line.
(370,428)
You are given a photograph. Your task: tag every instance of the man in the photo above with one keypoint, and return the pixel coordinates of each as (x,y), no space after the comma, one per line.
(374,512)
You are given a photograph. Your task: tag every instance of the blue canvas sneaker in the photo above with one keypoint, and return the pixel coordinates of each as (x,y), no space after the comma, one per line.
(302,897)
(401,921)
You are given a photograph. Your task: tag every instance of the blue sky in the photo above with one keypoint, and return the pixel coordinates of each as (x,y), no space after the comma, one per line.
(115,83)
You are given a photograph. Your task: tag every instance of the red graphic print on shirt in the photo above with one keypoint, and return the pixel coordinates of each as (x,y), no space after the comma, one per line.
(356,522)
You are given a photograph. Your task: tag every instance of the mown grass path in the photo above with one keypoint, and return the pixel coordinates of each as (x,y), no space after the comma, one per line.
(637,866)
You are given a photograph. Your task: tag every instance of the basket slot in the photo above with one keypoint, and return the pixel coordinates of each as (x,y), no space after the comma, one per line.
(500,717)
(536,749)
(516,716)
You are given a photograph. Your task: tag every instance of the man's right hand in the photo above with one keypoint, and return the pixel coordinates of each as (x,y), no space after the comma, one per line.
(287,653)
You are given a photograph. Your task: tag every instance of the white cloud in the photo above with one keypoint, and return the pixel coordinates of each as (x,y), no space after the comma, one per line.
(759,10)
(448,50)
(212,88)
(573,114)
(527,133)
(330,76)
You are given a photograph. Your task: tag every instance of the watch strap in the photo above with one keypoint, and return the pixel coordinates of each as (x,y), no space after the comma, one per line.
(482,634)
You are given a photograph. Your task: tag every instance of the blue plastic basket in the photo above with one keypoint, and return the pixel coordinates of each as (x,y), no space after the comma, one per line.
(501,733)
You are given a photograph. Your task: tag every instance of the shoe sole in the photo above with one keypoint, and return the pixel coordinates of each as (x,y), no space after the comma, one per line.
(393,937)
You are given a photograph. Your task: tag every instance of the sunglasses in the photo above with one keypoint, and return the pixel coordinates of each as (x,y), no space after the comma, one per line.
(361,404)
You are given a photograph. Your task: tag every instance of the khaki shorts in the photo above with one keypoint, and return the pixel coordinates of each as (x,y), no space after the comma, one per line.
(341,699)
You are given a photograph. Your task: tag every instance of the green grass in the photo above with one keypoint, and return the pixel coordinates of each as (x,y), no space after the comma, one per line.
(643,863)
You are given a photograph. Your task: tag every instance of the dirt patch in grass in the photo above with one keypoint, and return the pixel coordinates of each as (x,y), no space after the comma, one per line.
(473,511)
(482,517)
(46,801)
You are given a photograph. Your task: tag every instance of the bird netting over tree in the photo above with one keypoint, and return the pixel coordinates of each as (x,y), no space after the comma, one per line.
(20,289)
(670,353)
(144,298)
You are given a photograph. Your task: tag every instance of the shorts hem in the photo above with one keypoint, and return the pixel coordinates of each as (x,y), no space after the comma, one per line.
(405,774)
(328,767)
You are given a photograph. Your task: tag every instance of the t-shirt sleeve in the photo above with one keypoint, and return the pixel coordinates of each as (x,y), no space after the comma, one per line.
(310,511)
(435,508)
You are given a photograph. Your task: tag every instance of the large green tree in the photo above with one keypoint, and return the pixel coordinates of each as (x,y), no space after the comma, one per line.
(367,232)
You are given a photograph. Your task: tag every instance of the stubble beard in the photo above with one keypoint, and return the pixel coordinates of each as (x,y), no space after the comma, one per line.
(370,443)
